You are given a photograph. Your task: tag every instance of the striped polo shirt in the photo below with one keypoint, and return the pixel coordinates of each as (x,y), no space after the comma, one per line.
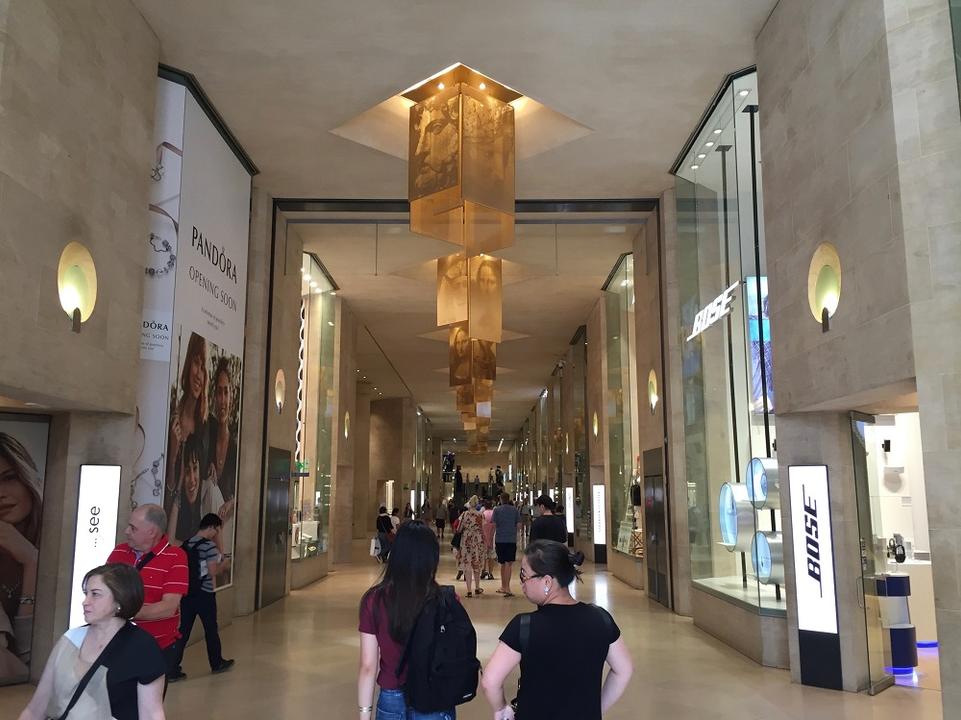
(165,573)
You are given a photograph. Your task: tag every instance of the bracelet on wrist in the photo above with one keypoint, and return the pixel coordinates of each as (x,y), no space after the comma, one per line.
(28,600)
(365,708)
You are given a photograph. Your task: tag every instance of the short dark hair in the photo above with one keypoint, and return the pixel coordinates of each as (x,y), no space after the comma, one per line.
(223,368)
(382,509)
(124,583)
(505,498)
(549,557)
(211,520)
(545,501)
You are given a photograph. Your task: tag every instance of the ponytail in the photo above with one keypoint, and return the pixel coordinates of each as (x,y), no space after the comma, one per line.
(549,557)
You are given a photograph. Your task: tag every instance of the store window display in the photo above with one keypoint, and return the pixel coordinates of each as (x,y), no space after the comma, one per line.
(623,424)
(310,482)
(728,384)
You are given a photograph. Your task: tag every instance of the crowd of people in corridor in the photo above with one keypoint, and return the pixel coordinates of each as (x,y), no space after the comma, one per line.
(407,614)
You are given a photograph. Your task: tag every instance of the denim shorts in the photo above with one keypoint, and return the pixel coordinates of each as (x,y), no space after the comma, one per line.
(392,706)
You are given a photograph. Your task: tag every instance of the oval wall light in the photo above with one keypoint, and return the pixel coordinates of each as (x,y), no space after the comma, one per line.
(346,424)
(77,283)
(652,397)
(280,390)
(824,284)
(595,425)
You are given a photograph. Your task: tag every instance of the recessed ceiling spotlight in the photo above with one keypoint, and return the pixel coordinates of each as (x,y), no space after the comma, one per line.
(709,143)
(701,156)
(333,292)
(744,93)
(483,86)
(695,167)
(330,322)
(718,131)
(441,86)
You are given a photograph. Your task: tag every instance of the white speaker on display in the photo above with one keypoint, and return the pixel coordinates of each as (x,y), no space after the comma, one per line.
(736,517)
(762,483)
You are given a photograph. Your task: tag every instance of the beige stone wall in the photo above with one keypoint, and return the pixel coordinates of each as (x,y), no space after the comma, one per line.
(250,463)
(77,85)
(928,133)
(364,508)
(345,406)
(673,400)
(830,175)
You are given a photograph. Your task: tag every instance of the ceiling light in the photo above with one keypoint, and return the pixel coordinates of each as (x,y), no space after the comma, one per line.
(333,292)
(483,86)
(744,93)
(701,156)
(718,131)
(307,277)
(313,284)
(441,86)
(625,283)
(330,322)
(695,167)
(709,143)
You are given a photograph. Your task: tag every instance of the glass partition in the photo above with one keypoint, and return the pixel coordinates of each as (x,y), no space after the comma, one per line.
(728,391)
(622,421)
(310,483)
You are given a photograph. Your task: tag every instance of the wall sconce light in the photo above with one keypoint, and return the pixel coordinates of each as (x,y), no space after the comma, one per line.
(280,390)
(824,284)
(652,397)
(594,424)
(77,283)
(346,424)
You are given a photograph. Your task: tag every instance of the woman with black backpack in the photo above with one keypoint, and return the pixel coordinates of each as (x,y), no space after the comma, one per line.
(563,644)
(400,648)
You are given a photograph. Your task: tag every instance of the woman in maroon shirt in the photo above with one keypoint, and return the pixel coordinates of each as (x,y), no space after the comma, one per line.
(388,612)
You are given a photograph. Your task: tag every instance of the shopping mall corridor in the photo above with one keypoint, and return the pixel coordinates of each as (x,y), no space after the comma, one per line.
(297,659)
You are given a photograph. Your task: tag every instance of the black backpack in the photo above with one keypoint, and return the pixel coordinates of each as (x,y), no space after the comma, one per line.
(195,582)
(441,656)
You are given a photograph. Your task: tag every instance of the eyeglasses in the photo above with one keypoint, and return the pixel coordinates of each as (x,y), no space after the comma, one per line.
(525,577)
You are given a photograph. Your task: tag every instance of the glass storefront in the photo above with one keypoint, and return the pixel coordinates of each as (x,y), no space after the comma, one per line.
(310,484)
(622,420)
(728,391)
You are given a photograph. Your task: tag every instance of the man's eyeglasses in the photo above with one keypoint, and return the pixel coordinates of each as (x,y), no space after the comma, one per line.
(525,577)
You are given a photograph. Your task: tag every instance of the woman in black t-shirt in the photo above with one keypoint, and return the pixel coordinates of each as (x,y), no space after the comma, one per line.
(565,645)
(128,681)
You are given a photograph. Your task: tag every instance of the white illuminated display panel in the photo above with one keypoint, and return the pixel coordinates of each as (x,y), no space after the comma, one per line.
(569,508)
(96,527)
(813,548)
(600,520)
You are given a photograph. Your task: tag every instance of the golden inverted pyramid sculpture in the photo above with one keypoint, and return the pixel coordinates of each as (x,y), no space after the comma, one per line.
(461,191)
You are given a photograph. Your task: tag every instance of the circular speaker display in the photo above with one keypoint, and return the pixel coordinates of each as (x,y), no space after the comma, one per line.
(767,554)
(762,483)
(736,515)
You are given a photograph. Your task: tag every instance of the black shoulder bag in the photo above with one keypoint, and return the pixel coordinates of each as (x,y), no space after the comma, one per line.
(88,676)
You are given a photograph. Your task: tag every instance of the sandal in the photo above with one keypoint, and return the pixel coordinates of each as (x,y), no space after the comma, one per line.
(479,591)
(470,594)
(500,592)
(508,594)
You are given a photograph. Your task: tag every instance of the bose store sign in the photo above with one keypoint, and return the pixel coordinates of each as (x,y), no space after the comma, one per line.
(97,505)
(716,310)
(817,607)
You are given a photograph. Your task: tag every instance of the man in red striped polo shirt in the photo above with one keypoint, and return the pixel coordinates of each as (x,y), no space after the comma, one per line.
(163,568)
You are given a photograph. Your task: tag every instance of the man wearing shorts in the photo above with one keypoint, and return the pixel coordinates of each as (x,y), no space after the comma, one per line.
(506,520)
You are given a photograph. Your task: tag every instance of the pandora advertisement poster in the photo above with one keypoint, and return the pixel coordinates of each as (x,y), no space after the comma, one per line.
(195,470)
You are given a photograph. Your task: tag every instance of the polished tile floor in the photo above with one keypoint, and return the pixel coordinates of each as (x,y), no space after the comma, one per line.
(297,659)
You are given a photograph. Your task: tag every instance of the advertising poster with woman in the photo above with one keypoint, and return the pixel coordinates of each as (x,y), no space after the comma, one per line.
(201,476)
(23,459)
(190,419)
